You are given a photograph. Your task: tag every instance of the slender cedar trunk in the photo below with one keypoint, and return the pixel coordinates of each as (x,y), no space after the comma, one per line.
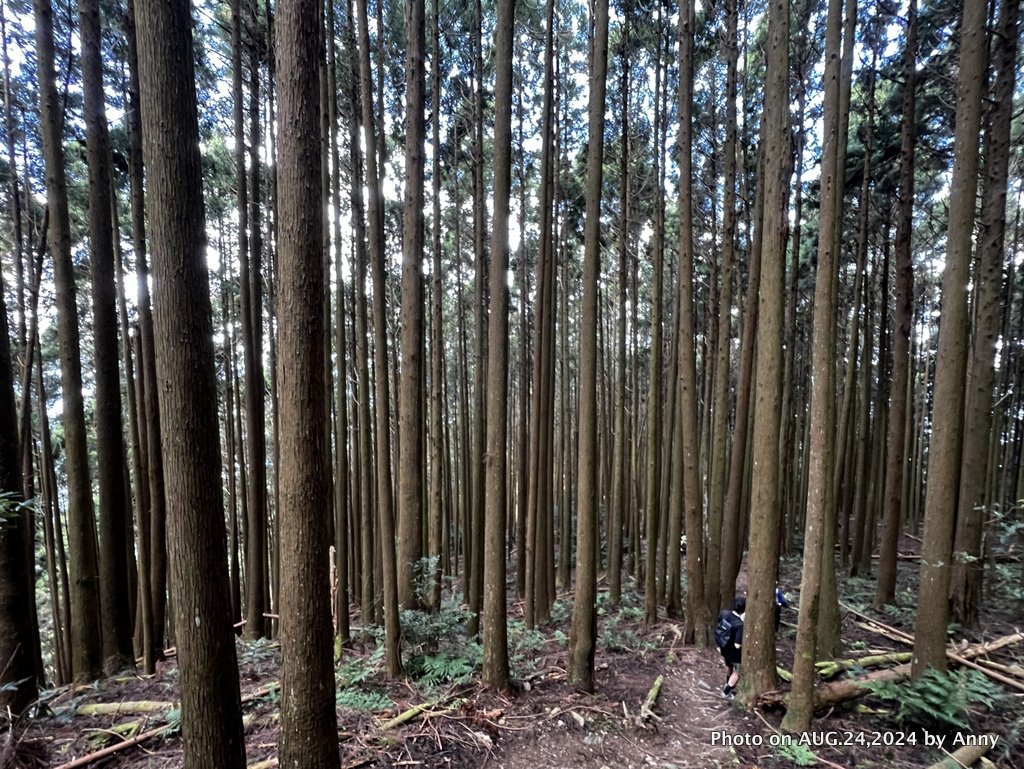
(210,708)
(18,637)
(944,455)
(828,618)
(861,436)
(476,516)
(759,639)
(583,641)
(732,518)
(495,630)
(364,435)
(136,482)
(968,565)
(256,410)
(654,495)
(255,554)
(148,401)
(308,721)
(617,514)
(438,455)
(25,442)
(25,346)
(86,637)
(720,417)
(896,453)
(698,629)
(342,496)
(410,400)
(113,507)
(234,570)
(382,401)
(539,489)
(47,467)
(788,497)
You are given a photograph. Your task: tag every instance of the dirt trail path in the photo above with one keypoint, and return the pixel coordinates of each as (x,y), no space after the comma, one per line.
(690,706)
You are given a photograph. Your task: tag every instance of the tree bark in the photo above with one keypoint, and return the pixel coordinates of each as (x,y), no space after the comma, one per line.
(759,638)
(968,571)
(210,702)
(944,456)
(583,638)
(308,721)
(86,637)
(495,630)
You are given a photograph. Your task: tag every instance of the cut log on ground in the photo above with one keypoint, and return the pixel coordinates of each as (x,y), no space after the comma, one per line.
(832,668)
(647,709)
(136,708)
(962,757)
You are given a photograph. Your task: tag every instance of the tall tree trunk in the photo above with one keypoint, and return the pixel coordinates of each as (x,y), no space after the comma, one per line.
(410,403)
(495,630)
(210,707)
(965,589)
(18,676)
(759,639)
(583,640)
(944,455)
(720,409)
(616,514)
(113,507)
(800,705)
(86,637)
(896,442)
(385,500)
(698,628)
(308,720)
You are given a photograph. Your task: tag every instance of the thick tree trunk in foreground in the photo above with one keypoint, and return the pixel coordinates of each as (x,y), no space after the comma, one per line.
(183,325)
(308,720)
(944,454)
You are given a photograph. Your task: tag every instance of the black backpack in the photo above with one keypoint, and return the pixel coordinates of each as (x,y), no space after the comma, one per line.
(724,629)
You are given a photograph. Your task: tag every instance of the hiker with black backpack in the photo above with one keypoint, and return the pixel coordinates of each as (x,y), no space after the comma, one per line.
(729,638)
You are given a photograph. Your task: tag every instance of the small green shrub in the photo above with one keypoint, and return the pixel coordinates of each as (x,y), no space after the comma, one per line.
(797,753)
(938,699)
(366,700)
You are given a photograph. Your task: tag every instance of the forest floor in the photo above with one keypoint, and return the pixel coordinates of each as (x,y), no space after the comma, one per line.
(545,723)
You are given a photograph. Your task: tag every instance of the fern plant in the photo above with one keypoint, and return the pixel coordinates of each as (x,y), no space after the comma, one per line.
(366,700)
(938,699)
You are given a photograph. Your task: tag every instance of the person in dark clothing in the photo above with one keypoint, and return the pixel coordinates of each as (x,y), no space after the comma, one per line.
(729,638)
(780,603)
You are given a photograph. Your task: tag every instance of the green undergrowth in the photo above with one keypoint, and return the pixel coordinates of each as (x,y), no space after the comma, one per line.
(938,700)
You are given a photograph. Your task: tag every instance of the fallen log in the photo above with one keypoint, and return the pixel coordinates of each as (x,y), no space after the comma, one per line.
(832,668)
(839,691)
(845,689)
(962,757)
(139,707)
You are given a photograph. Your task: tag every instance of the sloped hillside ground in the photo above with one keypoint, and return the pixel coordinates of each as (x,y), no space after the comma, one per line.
(451,721)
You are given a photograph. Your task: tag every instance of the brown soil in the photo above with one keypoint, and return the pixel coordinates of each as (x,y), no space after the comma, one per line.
(544,723)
